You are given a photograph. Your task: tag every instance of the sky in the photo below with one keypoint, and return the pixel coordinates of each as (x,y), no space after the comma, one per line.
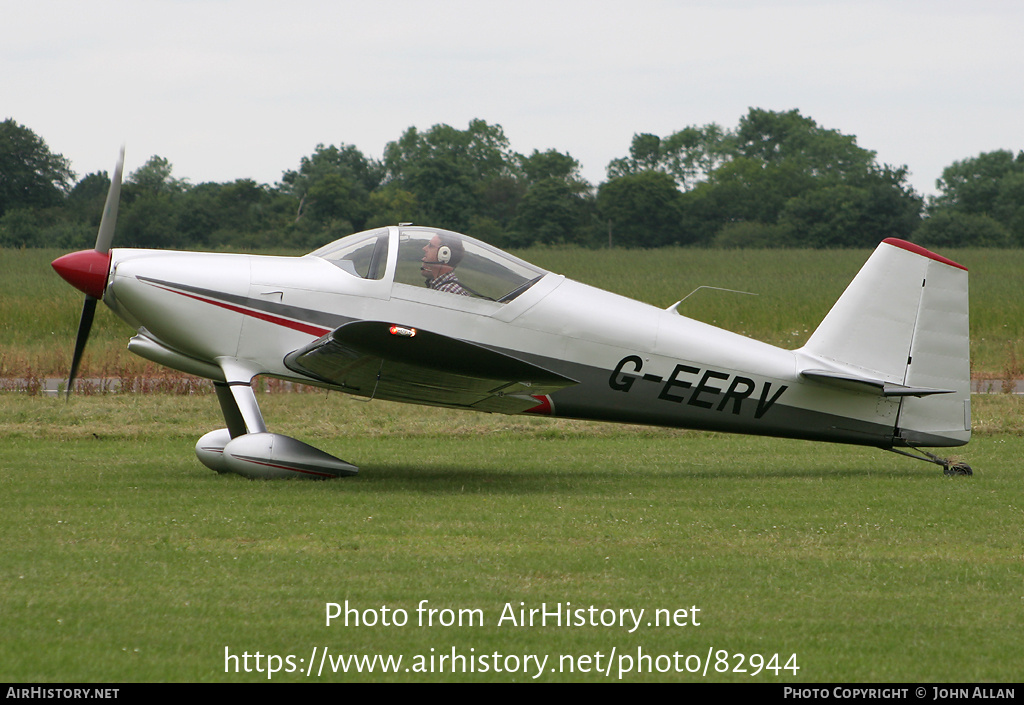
(230,89)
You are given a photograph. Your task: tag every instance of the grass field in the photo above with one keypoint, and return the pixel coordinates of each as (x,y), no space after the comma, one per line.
(126,560)
(39,313)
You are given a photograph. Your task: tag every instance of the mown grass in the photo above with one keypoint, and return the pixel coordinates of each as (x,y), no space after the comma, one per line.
(126,560)
(39,313)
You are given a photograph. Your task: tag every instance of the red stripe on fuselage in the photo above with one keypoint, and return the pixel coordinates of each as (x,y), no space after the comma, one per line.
(269,318)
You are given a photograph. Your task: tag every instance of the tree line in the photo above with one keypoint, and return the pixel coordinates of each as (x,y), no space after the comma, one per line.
(777,179)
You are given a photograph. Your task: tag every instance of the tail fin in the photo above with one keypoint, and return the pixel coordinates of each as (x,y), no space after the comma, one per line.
(901,327)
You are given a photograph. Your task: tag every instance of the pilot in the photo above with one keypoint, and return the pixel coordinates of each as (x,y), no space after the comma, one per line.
(440,258)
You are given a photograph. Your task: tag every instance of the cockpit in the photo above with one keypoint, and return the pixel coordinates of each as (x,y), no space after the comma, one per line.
(483,272)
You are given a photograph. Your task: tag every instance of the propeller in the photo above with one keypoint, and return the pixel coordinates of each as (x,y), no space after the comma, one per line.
(87,270)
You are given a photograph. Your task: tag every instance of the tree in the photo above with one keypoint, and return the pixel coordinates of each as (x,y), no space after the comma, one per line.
(445,191)
(767,172)
(31,176)
(990,185)
(743,190)
(86,199)
(149,212)
(694,153)
(150,220)
(951,228)
(895,208)
(834,216)
(972,185)
(345,161)
(230,214)
(689,155)
(481,150)
(644,155)
(334,183)
(552,164)
(390,205)
(855,214)
(1009,206)
(550,213)
(335,198)
(642,210)
(790,138)
(154,177)
(799,182)
(199,214)
(457,176)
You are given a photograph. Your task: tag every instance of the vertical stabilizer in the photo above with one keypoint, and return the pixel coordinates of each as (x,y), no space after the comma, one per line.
(903,322)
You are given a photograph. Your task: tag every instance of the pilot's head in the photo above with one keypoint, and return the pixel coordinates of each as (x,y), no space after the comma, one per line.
(441,255)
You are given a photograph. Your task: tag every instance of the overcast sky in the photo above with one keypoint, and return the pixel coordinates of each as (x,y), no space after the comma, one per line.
(229,89)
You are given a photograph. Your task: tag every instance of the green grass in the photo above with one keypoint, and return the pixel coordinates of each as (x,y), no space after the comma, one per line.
(39,313)
(126,560)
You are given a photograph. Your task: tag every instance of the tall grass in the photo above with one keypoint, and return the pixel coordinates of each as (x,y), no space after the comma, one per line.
(795,288)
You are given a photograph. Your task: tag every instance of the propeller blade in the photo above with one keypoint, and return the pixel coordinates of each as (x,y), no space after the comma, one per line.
(88,270)
(84,325)
(109,220)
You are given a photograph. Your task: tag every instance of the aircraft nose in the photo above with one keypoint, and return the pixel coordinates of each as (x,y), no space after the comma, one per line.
(86,271)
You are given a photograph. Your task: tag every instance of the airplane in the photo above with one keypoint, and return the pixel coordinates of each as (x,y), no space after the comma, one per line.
(429,316)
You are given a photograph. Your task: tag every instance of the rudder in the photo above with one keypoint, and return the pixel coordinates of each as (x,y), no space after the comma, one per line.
(940,357)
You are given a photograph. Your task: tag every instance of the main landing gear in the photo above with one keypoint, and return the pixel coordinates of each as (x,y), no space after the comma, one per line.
(949,465)
(245,447)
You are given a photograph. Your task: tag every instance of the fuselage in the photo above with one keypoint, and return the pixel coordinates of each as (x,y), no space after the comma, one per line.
(633,362)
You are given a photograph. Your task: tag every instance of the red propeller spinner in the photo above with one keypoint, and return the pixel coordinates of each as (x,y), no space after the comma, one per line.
(86,271)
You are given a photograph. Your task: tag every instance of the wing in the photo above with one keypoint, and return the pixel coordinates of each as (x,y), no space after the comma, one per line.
(399,363)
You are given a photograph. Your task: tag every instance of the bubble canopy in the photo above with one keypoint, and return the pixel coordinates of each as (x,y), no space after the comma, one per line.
(485,271)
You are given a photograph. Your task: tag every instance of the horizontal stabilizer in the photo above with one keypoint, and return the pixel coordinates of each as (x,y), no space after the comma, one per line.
(879,386)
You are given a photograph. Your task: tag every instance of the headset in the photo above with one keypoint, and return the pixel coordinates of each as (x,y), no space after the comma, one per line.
(444,256)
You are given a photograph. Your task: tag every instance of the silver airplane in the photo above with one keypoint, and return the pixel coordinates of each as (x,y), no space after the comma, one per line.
(428,316)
